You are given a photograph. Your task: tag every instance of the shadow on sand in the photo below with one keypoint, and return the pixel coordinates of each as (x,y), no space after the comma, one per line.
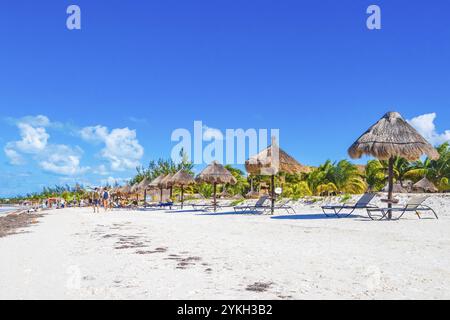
(317,216)
(232,213)
(184,211)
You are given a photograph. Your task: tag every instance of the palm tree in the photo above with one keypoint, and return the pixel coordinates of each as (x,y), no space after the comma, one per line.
(242,185)
(376,172)
(437,171)
(332,178)
(375,175)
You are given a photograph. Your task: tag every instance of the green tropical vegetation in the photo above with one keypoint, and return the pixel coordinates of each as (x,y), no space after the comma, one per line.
(330,178)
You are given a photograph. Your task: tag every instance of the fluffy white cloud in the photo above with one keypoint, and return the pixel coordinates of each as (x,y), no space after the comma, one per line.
(101,170)
(14,157)
(94,134)
(62,160)
(57,159)
(112,181)
(424,124)
(122,149)
(33,139)
(36,121)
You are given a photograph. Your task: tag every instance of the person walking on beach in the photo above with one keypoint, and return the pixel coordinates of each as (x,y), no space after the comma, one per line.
(96,200)
(106,197)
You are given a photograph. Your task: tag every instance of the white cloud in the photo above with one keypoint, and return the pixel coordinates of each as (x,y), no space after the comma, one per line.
(63,160)
(424,124)
(122,149)
(36,121)
(94,134)
(34,139)
(57,159)
(112,181)
(14,157)
(101,170)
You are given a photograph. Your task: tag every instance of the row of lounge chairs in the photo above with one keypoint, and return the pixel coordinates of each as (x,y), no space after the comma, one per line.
(340,211)
(261,206)
(376,213)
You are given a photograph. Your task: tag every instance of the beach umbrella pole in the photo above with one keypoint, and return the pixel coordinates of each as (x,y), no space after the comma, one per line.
(272,209)
(391,186)
(145,197)
(161,195)
(182,197)
(215,203)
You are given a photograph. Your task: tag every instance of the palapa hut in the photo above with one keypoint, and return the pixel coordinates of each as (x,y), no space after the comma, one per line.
(123,192)
(397,188)
(134,188)
(182,179)
(142,187)
(253,195)
(126,190)
(216,174)
(166,183)
(156,184)
(272,161)
(389,138)
(425,185)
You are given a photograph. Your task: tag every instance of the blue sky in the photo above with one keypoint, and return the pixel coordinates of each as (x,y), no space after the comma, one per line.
(140,69)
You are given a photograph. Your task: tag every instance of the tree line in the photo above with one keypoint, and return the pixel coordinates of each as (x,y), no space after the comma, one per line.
(330,178)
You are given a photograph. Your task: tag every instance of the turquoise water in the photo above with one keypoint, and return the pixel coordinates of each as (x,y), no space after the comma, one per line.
(6,210)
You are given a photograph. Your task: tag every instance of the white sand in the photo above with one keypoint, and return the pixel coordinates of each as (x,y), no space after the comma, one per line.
(71,254)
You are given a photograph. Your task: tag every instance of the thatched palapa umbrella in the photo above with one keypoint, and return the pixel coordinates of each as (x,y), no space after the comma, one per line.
(123,191)
(389,138)
(143,186)
(216,174)
(425,185)
(182,179)
(126,189)
(166,183)
(397,188)
(271,161)
(156,184)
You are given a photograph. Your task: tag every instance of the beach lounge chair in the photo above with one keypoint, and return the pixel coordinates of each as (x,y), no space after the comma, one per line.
(258,205)
(208,205)
(283,205)
(199,205)
(157,206)
(414,205)
(344,211)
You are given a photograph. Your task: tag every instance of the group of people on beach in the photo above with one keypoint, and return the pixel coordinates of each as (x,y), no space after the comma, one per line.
(101,197)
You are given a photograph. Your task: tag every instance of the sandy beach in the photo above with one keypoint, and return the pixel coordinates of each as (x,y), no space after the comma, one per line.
(75,254)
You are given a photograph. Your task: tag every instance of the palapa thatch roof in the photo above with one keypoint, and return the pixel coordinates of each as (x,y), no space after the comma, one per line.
(253,195)
(126,189)
(267,162)
(216,173)
(425,185)
(142,186)
(398,188)
(135,188)
(156,183)
(182,178)
(166,182)
(392,136)
(114,190)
